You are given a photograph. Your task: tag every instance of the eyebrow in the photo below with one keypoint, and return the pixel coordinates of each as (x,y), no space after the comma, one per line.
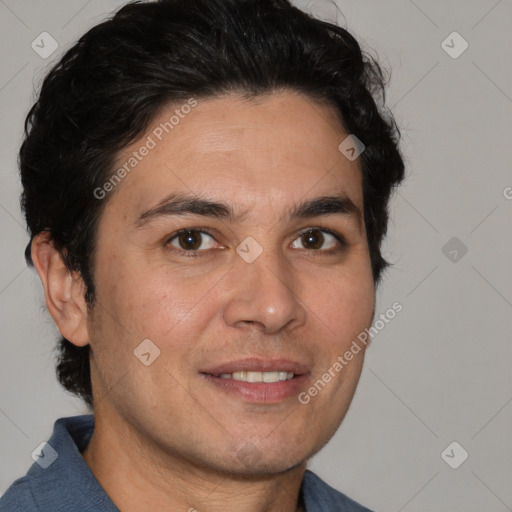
(178,204)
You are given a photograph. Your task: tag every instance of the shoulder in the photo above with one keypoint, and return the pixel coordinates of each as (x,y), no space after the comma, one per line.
(321,497)
(57,470)
(18,497)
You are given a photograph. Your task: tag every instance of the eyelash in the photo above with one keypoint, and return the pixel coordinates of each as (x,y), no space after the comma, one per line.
(194,254)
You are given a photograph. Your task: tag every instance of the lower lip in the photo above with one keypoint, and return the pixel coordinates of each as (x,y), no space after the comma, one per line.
(259,392)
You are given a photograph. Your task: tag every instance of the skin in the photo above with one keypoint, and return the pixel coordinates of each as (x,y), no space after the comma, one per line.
(165,437)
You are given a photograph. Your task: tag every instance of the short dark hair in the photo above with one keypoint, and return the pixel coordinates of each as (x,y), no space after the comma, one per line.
(106,89)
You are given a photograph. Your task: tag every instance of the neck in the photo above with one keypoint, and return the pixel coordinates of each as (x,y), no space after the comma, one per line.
(139,477)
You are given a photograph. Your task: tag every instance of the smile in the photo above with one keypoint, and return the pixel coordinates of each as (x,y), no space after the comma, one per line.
(248,376)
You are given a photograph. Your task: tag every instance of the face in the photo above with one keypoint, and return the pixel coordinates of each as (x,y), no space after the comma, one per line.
(236,245)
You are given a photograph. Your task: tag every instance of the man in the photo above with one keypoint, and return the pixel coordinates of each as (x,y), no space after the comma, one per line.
(206,186)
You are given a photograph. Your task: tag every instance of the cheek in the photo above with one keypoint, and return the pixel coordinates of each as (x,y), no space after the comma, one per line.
(150,301)
(169,308)
(345,304)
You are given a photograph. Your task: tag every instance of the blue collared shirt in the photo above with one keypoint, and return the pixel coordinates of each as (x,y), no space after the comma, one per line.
(61,481)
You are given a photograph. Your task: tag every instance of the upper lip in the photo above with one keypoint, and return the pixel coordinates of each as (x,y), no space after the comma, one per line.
(254,364)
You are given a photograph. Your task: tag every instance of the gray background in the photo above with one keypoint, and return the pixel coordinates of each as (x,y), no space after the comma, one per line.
(440,371)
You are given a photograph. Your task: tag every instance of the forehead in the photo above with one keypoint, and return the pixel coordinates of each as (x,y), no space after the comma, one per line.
(275,150)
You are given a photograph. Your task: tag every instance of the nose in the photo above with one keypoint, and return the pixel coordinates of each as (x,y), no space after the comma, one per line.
(264,295)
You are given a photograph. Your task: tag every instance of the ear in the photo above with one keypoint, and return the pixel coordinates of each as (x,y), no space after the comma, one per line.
(64,290)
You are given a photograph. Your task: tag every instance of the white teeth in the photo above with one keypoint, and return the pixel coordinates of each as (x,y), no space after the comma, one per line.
(254,376)
(270,377)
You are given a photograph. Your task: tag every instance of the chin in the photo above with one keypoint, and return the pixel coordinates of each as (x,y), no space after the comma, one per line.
(246,461)
(262,468)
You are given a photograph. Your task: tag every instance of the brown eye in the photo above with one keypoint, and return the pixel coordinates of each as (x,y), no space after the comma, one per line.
(192,240)
(312,239)
(317,239)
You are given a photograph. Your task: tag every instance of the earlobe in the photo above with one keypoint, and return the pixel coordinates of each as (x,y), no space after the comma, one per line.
(64,290)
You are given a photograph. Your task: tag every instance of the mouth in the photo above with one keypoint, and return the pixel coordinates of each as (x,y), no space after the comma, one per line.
(257,380)
(269,377)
